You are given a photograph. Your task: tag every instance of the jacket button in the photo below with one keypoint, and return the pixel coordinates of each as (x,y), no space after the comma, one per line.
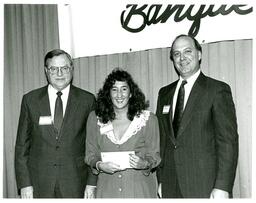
(57,147)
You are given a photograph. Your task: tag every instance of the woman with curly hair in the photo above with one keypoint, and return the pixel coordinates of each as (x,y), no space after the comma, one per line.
(121,124)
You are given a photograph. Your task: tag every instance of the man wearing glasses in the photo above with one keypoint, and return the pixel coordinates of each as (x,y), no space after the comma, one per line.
(50,144)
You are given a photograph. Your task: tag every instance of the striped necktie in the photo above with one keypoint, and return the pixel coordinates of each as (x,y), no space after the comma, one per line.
(58,112)
(179,108)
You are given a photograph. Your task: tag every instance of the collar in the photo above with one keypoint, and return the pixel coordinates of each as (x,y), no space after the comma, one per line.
(53,91)
(191,79)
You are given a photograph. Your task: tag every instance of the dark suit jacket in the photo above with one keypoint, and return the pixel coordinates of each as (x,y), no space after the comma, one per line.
(40,159)
(205,152)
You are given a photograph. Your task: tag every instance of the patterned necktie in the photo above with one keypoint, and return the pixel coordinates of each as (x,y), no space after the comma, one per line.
(58,113)
(179,108)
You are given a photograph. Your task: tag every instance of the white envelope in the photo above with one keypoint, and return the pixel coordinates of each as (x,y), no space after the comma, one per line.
(45,120)
(120,158)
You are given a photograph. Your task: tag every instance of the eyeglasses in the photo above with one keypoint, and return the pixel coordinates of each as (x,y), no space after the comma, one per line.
(55,69)
(186,53)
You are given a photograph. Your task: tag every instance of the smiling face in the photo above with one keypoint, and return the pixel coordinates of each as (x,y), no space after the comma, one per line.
(120,95)
(186,57)
(60,79)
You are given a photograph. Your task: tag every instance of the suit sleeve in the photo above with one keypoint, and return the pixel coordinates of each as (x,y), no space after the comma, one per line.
(92,154)
(22,146)
(162,141)
(226,139)
(93,104)
(92,176)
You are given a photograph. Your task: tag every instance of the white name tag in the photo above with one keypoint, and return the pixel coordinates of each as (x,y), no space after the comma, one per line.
(166,109)
(106,128)
(45,120)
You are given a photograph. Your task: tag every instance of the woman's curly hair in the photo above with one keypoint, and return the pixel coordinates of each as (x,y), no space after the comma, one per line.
(104,106)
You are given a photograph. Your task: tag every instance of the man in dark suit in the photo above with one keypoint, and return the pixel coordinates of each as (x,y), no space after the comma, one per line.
(198,128)
(50,144)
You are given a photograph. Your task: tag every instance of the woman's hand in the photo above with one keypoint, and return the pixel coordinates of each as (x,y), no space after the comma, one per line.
(108,167)
(137,162)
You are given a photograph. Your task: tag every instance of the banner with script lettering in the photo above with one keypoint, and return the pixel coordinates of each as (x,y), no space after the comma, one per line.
(106,27)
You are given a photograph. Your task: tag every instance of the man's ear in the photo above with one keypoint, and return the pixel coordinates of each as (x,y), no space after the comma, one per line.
(46,71)
(199,55)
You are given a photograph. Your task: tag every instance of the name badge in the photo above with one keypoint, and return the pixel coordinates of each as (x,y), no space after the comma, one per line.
(106,128)
(45,120)
(166,109)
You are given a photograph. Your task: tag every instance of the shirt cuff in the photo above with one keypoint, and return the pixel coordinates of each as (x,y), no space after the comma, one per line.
(91,186)
(97,165)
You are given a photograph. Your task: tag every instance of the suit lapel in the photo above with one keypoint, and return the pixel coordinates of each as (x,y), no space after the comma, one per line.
(194,97)
(167,121)
(44,106)
(72,105)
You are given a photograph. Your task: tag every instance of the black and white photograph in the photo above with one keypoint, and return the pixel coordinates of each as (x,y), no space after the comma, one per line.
(134,99)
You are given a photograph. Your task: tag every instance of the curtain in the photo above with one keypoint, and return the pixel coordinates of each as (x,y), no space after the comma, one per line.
(228,61)
(30,31)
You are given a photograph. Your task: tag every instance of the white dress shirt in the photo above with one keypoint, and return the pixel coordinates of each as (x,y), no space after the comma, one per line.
(190,82)
(52,93)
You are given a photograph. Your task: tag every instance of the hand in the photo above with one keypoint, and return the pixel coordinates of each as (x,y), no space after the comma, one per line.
(219,194)
(109,167)
(137,162)
(90,192)
(159,191)
(26,192)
